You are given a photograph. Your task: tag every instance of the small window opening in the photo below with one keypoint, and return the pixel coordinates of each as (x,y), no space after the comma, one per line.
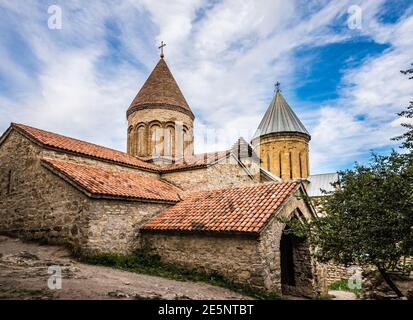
(9,182)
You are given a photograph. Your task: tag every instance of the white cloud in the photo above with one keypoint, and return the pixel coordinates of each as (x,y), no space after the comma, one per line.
(376,91)
(225,55)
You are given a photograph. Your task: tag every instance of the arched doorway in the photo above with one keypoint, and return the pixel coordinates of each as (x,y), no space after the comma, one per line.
(295,265)
(287,260)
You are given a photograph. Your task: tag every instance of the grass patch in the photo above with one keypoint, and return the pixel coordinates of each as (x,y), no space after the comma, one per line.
(342,285)
(152,265)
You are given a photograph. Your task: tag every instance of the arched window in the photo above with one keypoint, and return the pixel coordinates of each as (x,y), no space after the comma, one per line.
(290,158)
(130,139)
(268,162)
(10,182)
(307,163)
(169,141)
(135,141)
(141,140)
(280,162)
(186,141)
(156,140)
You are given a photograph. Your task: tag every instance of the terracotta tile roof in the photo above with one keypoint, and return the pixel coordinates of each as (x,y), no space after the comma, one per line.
(81,147)
(103,182)
(195,161)
(242,209)
(160,89)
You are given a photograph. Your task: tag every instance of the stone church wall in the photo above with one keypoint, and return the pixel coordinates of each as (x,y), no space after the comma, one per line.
(235,257)
(310,279)
(114,225)
(36,204)
(247,260)
(223,174)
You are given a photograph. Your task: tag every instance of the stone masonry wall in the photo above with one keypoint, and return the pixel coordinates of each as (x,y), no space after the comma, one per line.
(114,225)
(251,261)
(310,279)
(303,270)
(140,143)
(336,272)
(234,257)
(161,115)
(34,203)
(220,175)
(288,152)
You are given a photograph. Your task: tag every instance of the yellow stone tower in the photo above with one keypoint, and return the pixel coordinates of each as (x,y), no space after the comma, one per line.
(281,140)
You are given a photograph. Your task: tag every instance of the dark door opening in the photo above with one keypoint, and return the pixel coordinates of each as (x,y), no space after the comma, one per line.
(287,259)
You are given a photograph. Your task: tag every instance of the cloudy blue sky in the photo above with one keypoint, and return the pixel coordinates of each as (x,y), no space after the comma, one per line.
(343,83)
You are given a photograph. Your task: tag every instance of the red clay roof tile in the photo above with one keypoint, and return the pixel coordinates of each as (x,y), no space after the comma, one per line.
(57,141)
(160,89)
(106,182)
(229,210)
(81,147)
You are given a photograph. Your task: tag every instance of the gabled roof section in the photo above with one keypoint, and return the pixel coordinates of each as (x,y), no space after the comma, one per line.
(236,210)
(56,141)
(269,175)
(101,182)
(160,89)
(243,150)
(279,118)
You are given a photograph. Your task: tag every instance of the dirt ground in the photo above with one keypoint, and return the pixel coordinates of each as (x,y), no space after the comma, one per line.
(24,275)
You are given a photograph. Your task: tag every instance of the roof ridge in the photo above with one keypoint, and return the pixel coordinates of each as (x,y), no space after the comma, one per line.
(195,161)
(251,186)
(233,211)
(133,161)
(63,136)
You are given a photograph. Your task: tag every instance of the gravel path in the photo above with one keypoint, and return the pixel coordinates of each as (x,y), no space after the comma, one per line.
(24,275)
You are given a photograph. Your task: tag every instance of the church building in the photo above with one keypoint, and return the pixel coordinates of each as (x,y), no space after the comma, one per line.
(215,212)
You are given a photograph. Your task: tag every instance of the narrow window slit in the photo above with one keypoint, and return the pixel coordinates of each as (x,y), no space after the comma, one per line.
(9,182)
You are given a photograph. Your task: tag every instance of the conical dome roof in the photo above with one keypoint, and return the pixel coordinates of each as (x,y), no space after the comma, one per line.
(160,90)
(280,118)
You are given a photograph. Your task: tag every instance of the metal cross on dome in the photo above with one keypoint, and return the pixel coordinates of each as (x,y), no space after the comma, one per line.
(277,86)
(161,47)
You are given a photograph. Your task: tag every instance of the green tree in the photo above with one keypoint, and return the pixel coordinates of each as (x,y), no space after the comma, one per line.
(407,137)
(369,219)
